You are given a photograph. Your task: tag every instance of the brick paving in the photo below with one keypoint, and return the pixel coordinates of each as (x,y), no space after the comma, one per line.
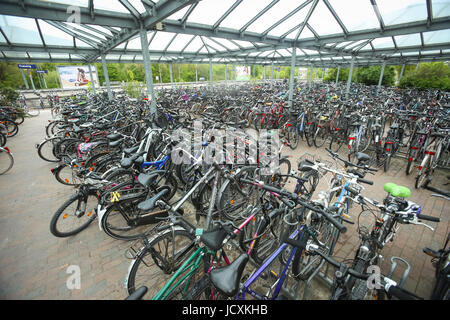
(33,263)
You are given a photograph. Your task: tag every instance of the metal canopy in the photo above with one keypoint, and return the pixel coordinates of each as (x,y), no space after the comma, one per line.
(324,33)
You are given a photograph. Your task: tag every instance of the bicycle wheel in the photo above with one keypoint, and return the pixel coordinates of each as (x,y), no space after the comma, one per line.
(67,175)
(2,139)
(74,215)
(154,264)
(320,137)
(337,141)
(303,265)
(6,161)
(387,162)
(47,149)
(230,200)
(308,131)
(9,128)
(292,133)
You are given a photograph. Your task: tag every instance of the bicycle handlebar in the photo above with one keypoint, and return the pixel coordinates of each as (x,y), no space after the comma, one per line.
(295,198)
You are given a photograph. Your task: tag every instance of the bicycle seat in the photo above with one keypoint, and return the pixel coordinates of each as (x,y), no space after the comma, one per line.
(397,191)
(227,279)
(113,136)
(149,204)
(305,165)
(362,157)
(213,238)
(146,178)
(114,144)
(131,150)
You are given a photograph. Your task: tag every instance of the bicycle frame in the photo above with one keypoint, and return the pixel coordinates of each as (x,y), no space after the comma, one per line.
(246,288)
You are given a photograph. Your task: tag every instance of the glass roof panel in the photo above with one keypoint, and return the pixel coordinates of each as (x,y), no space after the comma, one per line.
(243,13)
(195,45)
(79,3)
(54,36)
(59,55)
(208,12)
(381,43)
(135,43)
(2,38)
(137,4)
(81,44)
(274,14)
(402,11)
(228,44)
(180,41)
(440,8)
(290,23)
(322,21)
(306,34)
(14,54)
(110,5)
(179,14)
(215,46)
(408,40)
(365,19)
(161,40)
(432,37)
(20,30)
(100,29)
(244,44)
(38,55)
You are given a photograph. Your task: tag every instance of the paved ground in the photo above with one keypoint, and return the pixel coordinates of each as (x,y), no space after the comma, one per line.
(34,264)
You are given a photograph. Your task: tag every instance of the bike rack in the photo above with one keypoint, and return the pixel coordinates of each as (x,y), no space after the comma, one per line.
(394,265)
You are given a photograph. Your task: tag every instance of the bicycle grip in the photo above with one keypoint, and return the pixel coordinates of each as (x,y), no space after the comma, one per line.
(365,181)
(351,190)
(428,218)
(334,222)
(402,294)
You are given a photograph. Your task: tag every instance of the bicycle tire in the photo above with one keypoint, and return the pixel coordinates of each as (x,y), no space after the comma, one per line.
(320,139)
(59,214)
(7,159)
(51,144)
(164,267)
(62,176)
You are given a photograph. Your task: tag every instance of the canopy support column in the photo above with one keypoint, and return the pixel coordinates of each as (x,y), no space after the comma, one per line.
(226,68)
(381,76)
(271,76)
(291,78)
(401,73)
(24,79)
(92,78)
(31,79)
(337,75)
(210,74)
(171,74)
(349,80)
(105,72)
(148,69)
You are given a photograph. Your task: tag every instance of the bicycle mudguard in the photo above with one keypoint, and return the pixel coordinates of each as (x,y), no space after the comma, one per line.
(397,191)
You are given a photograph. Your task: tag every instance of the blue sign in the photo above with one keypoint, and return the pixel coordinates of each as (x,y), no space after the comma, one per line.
(42,71)
(26,66)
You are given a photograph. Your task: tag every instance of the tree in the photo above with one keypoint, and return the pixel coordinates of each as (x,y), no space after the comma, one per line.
(428,75)
(371,75)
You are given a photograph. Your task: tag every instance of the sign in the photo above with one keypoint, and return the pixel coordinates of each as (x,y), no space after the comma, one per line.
(42,71)
(243,73)
(26,66)
(76,76)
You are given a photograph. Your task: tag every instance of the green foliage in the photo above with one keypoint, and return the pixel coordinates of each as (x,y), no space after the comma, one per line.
(343,75)
(371,75)
(428,75)
(8,96)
